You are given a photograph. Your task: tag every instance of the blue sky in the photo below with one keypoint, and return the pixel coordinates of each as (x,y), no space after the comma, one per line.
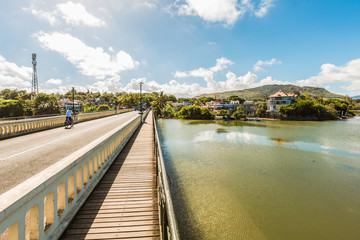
(181,47)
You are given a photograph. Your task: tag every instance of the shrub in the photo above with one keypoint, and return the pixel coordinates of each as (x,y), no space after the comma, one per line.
(103,108)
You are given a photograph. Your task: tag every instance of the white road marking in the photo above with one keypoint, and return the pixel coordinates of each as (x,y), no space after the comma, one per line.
(31,149)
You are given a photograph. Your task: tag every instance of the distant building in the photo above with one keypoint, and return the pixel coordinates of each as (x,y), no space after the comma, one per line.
(278,99)
(175,104)
(249,108)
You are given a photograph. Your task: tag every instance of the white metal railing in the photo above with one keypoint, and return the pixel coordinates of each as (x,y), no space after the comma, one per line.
(18,127)
(42,206)
(168,223)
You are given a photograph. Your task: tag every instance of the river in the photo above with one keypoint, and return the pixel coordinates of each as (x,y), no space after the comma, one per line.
(264,180)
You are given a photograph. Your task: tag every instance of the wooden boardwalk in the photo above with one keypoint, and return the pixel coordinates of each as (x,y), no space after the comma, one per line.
(124,204)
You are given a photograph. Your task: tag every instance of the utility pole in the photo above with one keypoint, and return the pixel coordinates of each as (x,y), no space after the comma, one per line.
(73,99)
(141,83)
(34,83)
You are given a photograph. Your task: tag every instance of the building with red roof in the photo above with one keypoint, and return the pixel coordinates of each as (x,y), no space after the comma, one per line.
(278,99)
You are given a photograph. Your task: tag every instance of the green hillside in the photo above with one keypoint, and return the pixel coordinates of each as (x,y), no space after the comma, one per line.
(267,90)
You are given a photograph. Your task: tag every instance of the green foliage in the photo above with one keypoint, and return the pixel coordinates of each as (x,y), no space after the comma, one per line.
(11,108)
(224,113)
(46,104)
(161,100)
(8,94)
(89,107)
(339,105)
(103,108)
(171,98)
(238,115)
(259,100)
(308,108)
(236,98)
(204,100)
(261,110)
(168,112)
(180,100)
(194,112)
(156,109)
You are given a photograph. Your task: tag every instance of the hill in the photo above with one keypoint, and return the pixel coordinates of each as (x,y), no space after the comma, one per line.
(356,97)
(267,90)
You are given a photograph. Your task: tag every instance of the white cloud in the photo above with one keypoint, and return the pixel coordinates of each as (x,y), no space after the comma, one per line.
(53,81)
(221,64)
(151,4)
(258,65)
(172,87)
(225,11)
(91,61)
(263,8)
(49,16)
(346,77)
(72,13)
(207,74)
(232,82)
(76,14)
(13,76)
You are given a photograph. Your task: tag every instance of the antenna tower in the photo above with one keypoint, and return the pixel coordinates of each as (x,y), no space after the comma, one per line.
(35,84)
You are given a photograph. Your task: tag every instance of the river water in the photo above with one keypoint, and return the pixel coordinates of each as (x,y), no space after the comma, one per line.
(264,180)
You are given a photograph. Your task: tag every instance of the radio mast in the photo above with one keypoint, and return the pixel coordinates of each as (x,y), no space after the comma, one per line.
(35,84)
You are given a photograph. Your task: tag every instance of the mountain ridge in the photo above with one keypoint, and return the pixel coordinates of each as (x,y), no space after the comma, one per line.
(267,90)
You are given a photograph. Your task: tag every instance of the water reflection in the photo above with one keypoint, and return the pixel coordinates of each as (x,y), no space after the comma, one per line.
(221,130)
(232,137)
(281,141)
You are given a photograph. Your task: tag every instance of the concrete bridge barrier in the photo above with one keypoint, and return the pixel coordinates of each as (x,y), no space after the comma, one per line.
(19,127)
(43,206)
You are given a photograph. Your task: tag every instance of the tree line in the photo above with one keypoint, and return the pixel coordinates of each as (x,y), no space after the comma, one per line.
(15,103)
(317,108)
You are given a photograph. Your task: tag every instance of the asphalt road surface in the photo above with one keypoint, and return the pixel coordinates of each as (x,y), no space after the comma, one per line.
(24,156)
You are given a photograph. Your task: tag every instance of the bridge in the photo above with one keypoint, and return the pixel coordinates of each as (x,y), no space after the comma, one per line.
(102,179)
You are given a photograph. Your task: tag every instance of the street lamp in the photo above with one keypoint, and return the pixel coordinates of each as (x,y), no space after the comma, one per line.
(73,98)
(140,83)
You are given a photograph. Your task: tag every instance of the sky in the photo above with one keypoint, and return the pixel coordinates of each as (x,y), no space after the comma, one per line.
(181,47)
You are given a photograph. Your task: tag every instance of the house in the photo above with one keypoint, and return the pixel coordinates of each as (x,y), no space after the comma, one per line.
(278,99)
(249,108)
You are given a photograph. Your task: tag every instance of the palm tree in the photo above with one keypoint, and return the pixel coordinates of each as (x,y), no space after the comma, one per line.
(162,100)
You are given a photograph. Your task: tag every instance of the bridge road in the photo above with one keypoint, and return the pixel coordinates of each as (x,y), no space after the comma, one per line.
(24,156)
(124,205)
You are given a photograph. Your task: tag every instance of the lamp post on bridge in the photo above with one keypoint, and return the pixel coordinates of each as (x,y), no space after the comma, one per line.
(73,98)
(141,112)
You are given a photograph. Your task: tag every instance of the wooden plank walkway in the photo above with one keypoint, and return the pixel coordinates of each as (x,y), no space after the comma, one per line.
(124,204)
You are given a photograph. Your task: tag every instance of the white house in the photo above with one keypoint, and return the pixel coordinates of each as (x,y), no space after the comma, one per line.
(278,99)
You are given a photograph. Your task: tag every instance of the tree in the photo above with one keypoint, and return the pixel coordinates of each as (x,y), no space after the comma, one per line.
(161,100)
(156,109)
(224,113)
(259,100)
(46,104)
(11,108)
(29,107)
(236,98)
(103,108)
(194,112)
(261,110)
(238,115)
(309,108)
(168,112)
(10,94)
(89,107)
(171,98)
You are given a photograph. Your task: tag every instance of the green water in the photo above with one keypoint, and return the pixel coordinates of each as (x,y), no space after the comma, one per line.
(264,180)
